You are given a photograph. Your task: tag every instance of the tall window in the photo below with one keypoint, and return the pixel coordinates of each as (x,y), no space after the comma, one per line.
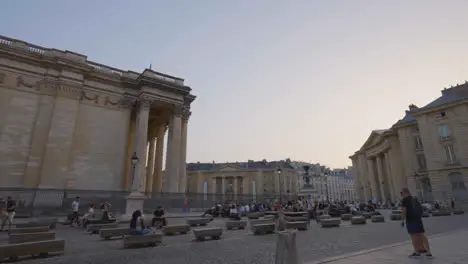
(418,143)
(422,162)
(458,186)
(450,154)
(444,132)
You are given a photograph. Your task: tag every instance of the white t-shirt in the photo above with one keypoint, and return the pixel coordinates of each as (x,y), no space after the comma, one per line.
(233,211)
(75,206)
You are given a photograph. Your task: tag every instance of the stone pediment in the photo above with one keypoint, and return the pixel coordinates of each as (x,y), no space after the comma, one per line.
(230,168)
(373,139)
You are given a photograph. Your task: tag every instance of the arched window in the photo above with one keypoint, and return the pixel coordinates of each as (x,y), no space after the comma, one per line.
(458,186)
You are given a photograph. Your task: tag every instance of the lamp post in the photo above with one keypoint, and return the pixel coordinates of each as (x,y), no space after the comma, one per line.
(134,161)
(279,171)
(326,185)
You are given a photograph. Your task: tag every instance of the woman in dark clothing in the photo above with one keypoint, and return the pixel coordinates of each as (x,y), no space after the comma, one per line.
(138,225)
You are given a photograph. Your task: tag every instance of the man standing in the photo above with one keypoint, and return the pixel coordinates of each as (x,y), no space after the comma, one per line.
(9,211)
(412,212)
(75,209)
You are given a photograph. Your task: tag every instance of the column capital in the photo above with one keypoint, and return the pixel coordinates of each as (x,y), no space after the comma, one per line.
(186,113)
(145,103)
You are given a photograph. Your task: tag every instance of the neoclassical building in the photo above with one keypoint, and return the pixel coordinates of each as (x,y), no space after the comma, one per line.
(424,151)
(69,123)
(242,181)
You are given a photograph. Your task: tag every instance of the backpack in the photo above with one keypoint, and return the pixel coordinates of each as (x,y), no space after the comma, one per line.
(416,210)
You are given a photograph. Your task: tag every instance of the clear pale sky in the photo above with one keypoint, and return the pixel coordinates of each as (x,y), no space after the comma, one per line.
(307,79)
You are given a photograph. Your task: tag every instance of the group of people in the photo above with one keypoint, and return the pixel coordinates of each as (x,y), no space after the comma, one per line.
(83,221)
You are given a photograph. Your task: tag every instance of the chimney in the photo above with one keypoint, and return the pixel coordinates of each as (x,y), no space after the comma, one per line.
(413,107)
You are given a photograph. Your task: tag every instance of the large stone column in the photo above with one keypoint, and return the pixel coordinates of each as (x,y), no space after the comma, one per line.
(136,198)
(183,151)
(375,191)
(381,178)
(173,152)
(390,178)
(158,161)
(150,166)
(235,187)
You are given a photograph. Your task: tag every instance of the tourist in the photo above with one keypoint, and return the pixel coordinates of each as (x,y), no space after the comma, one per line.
(105,211)
(233,213)
(8,214)
(75,211)
(158,216)
(412,212)
(137,224)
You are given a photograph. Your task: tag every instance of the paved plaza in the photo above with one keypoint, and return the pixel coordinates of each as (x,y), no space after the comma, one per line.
(240,246)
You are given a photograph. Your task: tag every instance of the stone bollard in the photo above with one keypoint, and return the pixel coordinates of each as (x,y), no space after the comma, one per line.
(286,249)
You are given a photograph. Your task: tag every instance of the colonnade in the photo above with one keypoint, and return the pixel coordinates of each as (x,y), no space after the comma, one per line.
(150,140)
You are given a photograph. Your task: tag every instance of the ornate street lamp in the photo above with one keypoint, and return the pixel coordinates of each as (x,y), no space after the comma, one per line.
(279,171)
(134,161)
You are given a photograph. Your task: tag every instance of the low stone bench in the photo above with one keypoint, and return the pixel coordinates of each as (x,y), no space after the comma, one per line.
(212,232)
(108,233)
(330,222)
(175,229)
(441,213)
(301,226)
(39,229)
(378,219)
(150,240)
(296,214)
(263,229)
(198,221)
(297,219)
(458,212)
(255,215)
(358,220)
(269,217)
(368,215)
(30,237)
(49,224)
(271,213)
(41,248)
(425,214)
(396,212)
(93,221)
(240,224)
(324,217)
(396,217)
(94,229)
(346,217)
(261,221)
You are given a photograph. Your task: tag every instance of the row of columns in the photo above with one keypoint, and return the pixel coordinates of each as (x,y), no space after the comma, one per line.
(381,179)
(224,180)
(149,177)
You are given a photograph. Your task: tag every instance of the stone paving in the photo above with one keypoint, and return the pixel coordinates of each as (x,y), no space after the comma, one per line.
(448,248)
(239,246)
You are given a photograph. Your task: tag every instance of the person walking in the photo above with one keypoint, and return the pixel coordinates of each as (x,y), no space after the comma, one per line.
(412,212)
(8,212)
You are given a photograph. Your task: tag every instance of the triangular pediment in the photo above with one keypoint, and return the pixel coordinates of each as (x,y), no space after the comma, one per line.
(230,167)
(371,140)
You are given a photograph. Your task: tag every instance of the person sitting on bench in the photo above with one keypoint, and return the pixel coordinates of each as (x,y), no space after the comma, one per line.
(159,217)
(233,213)
(137,225)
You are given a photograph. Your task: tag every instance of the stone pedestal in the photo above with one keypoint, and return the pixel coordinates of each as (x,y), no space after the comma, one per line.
(135,201)
(286,249)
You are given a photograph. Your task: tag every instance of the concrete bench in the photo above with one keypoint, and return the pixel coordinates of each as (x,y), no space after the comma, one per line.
(212,232)
(29,230)
(441,213)
(271,213)
(49,224)
(30,237)
(346,217)
(297,219)
(269,217)
(358,220)
(94,229)
(255,215)
(323,217)
(396,217)
(175,229)
(198,221)
(426,214)
(458,212)
(240,224)
(41,248)
(296,214)
(378,219)
(261,221)
(263,229)
(301,226)
(108,233)
(396,212)
(92,221)
(367,214)
(330,222)
(150,240)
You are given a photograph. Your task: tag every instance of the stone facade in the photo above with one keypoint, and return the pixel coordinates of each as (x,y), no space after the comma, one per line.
(243,181)
(424,151)
(70,123)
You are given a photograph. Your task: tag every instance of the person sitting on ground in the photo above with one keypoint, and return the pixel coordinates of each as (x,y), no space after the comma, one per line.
(137,224)
(158,216)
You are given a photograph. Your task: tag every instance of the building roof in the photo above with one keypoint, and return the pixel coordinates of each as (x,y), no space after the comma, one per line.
(408,118)
(252,165)
(450,95)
